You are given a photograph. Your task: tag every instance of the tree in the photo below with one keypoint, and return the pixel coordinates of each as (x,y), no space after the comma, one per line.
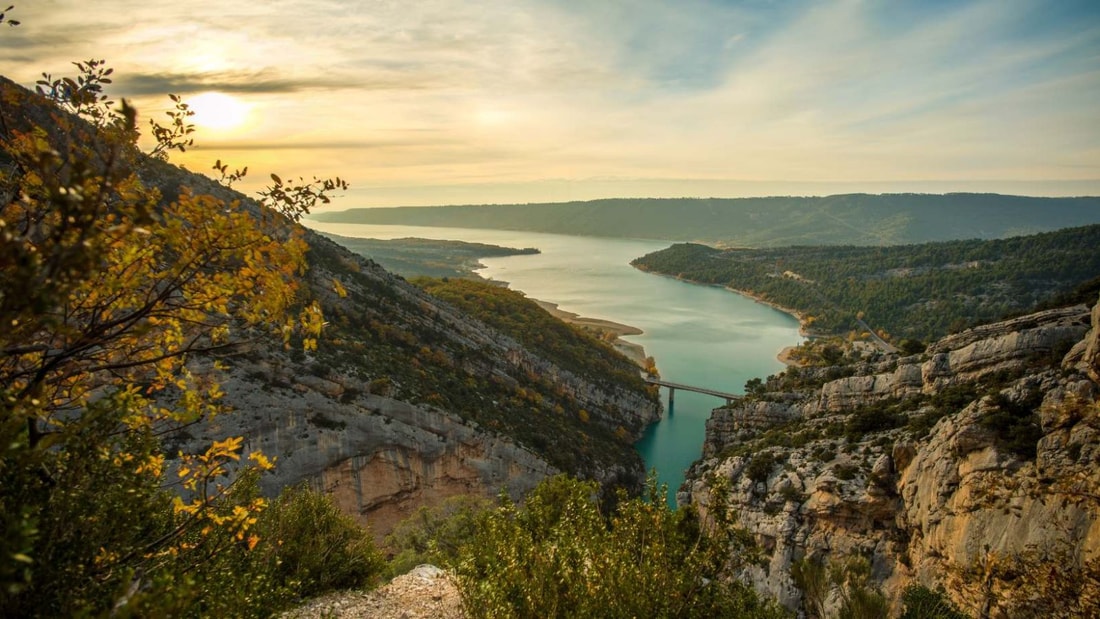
(108,290)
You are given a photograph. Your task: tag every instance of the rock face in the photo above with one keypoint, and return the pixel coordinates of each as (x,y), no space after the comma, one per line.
(381,459)
(409,401)
(974,467)
(384,448)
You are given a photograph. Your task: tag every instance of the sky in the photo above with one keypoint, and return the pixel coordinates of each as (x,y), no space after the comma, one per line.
(467,101)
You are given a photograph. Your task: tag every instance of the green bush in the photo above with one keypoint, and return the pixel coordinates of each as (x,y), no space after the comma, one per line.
(315,547)
(859,599)
(435,535)
(559,556)
(1015,424)
(845,471)
(923,603)
(760,467)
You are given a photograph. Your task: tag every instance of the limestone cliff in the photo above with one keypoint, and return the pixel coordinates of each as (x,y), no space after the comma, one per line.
(408,401)
(379,457)
(973,467)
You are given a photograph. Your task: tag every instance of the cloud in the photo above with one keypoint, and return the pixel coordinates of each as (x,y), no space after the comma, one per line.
(267,81)
(438,92)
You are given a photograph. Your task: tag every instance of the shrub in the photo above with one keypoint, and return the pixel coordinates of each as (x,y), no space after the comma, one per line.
(322,421)
(559,556)
(859,598)
(760,467)
(314,547)
(845,472)
(1015,424)
(435,535)
(920,602)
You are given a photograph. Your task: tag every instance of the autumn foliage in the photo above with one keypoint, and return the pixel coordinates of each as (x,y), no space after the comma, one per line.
(117,302)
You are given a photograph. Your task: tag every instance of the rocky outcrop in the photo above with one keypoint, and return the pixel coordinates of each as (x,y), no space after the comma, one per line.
(409,401)
(1002,346)
(975,468)
(853,391)
(380,458)
(1090,356)
(732,423)
(967,504)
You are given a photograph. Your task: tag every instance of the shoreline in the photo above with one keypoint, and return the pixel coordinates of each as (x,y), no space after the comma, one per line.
(784,355)
(632,351)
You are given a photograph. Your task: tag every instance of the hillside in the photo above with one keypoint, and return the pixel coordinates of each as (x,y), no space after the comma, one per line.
(920,291)
(971,469)
(405,400)
(853,219)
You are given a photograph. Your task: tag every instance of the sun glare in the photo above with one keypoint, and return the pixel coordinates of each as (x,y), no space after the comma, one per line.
(215,110)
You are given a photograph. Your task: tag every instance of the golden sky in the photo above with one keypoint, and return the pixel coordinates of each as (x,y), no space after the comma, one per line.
(465,101)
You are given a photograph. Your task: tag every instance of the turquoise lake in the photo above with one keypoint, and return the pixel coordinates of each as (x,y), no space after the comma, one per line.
(699,335)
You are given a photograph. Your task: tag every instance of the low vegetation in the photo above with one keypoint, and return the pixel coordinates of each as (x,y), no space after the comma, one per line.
(561,554)
(515,315)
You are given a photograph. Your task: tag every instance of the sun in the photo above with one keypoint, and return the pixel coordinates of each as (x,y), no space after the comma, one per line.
(215,110)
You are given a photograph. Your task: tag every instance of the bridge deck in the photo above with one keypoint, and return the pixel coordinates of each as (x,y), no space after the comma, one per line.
(704,390)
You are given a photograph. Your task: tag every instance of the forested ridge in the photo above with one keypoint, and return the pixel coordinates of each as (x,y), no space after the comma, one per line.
(921,291)
(849,219)
(402,347)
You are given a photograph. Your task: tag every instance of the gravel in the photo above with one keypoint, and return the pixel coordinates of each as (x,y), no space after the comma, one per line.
(425,592)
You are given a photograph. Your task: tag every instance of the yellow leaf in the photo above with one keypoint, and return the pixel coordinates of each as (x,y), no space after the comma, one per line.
(339,288)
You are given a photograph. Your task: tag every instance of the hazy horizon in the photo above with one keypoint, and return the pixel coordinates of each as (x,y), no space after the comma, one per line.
(445,101)
(547,192)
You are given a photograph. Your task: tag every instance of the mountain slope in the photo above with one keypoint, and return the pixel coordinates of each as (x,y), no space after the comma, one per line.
(406,400)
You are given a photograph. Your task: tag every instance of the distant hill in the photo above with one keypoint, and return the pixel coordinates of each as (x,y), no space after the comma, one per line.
(919,291)
(851,219)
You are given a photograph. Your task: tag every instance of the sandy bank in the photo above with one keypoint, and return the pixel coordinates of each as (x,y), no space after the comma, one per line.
(581,321)
(634,352)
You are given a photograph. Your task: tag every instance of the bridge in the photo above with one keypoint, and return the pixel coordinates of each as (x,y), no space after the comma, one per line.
(672,387)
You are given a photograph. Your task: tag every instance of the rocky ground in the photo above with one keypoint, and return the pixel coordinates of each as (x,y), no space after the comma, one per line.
(425,592)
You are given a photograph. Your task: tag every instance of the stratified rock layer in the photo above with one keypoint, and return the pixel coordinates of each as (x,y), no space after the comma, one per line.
(974,504)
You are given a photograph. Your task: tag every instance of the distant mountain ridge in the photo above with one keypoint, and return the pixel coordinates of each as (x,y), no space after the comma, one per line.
(847,219)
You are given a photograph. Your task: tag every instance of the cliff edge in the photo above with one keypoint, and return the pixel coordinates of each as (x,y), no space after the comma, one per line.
(971,469)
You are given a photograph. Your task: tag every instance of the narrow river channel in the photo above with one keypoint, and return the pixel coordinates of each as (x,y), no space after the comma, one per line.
(699,335)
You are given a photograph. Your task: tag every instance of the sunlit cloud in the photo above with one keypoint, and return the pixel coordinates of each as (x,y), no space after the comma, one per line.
(544,98)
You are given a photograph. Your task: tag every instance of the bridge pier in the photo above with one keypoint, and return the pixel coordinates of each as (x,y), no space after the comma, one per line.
(671,399)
